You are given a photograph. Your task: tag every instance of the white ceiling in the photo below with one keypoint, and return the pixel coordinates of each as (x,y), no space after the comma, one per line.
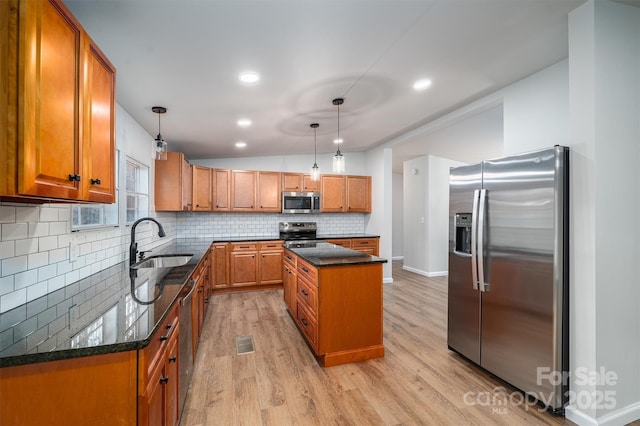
(186,55)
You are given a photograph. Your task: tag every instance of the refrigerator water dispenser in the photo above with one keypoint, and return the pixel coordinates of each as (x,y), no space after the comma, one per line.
(463,233)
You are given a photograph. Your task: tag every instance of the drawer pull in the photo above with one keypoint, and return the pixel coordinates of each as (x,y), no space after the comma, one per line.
(304,322)
(289,257)
(304,292)
(244,246)
(173,358)
(169,326)
(305,269)
(163,338)
(164,380)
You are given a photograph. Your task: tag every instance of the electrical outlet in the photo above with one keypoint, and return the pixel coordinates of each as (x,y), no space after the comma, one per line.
(422,219)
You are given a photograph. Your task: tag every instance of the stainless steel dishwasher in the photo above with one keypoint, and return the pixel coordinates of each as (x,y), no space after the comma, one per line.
(185,363)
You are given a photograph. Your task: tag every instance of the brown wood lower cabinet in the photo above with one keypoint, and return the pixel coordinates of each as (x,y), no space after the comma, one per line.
(363,245)
(339,310)
(158,377)
(247,265)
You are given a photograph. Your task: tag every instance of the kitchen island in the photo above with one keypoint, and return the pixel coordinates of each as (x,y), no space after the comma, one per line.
(334,294)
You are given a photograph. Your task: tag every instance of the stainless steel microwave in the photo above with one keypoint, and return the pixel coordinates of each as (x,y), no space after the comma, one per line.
(300,202)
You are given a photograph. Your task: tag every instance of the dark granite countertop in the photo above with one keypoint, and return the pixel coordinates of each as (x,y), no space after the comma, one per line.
(97,314)
(322,255)
(276,237)
(340,236)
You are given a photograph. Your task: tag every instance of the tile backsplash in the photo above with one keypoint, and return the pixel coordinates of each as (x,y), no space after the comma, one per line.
(220,225)
(39,254)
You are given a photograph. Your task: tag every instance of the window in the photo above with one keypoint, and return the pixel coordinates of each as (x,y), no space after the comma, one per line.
(85,216)
(137,190)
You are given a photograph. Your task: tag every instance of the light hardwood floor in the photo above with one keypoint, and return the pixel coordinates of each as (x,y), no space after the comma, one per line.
(419,381)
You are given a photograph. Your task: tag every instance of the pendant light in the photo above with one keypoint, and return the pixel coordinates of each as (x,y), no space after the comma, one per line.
(315,170)
(161,145)
(338,159)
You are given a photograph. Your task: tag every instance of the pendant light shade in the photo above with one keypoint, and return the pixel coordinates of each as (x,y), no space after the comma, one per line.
(338,159)
(315,170)
(160,144)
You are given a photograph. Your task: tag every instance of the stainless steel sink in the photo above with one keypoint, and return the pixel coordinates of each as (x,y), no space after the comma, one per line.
(163,261)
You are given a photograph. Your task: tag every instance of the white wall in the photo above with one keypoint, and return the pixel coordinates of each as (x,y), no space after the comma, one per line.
(35,239)
(426,214)
(378,162)
(536,110)
(355,163)
(604,75)
(397,209)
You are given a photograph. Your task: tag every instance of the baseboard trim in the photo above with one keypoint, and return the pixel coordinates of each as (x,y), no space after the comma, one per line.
(397,257)
(387,281)
(425,273)
(623,416)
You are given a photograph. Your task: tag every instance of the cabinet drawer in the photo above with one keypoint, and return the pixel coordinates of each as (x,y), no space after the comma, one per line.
(249,246)
(307,293)
(363,242)
(341,242)
(308,271)
(161,338)
(307,324)
(291,259)
(271,245)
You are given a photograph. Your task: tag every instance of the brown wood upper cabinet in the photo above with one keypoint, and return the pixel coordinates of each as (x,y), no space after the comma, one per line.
(173,183)
(243,190)
(296,182)
(57,113)
(202,193)
(348,194)
(269,192)
(220,183)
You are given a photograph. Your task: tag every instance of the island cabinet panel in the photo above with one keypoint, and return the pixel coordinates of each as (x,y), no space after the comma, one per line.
(58,111)
(92,390)
(202,193)
(289,281)
(220,182)
(332,189)
(363,245)
(243,190)
(173,183)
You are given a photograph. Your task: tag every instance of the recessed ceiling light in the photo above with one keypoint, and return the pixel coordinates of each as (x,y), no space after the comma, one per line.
(244,122)
(249,77)
(241,144)
(338,141)
(425,83)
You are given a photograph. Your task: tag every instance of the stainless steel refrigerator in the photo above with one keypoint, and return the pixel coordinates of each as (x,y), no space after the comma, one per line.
(508,270)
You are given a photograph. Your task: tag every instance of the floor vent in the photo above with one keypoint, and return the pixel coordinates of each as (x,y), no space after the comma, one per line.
(244,345)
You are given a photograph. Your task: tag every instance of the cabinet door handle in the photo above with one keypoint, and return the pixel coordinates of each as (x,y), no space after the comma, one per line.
(304,322)
(304,292)
(74,178)
(289,257)
(96,181)
(163,338)
(305,269)
(169,326)
(173,358)
(164,380)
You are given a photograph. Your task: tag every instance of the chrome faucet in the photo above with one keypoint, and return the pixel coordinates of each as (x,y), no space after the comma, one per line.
(133,247)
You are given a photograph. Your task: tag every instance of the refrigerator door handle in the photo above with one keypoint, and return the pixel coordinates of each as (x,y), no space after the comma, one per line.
(474,239)
(482,204)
